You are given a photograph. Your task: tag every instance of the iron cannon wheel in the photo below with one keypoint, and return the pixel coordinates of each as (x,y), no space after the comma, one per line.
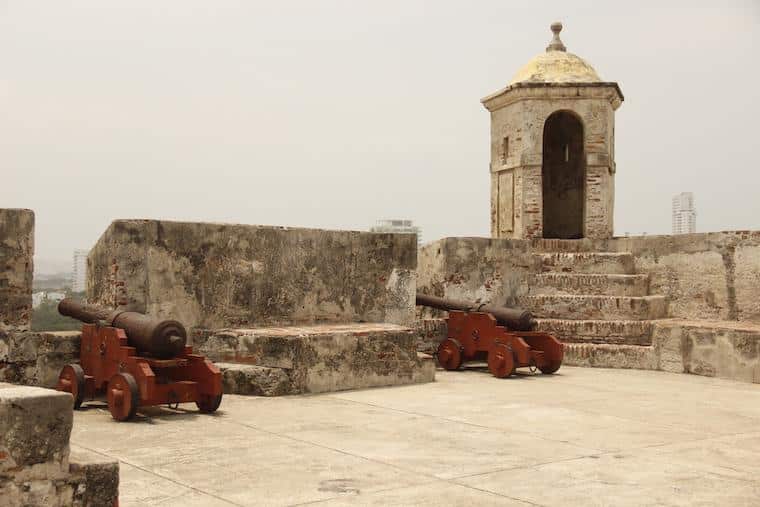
(71,380)
(450,354)
(208,403)
(123,396)
(550,367)
(501,360)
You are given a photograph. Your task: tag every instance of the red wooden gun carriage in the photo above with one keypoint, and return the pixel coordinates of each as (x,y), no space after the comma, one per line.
(499,335)
(135,361)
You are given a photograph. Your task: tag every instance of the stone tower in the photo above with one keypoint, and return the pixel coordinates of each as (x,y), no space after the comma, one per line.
(553,149)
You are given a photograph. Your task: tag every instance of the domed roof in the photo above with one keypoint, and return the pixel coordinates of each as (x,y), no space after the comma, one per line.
(556,65)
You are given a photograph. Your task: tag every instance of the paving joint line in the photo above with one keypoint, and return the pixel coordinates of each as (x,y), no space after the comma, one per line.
(151,472)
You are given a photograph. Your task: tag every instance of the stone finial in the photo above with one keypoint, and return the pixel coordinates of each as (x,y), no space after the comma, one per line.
(556,43)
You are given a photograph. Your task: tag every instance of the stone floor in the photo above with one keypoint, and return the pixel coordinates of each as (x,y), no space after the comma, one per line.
(581,437)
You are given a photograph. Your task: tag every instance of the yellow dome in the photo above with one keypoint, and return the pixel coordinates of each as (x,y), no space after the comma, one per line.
(556,65)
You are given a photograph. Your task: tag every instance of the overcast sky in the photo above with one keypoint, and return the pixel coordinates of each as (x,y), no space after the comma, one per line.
(335,114)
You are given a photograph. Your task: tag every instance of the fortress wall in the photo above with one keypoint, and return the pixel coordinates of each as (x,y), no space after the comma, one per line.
(219,275)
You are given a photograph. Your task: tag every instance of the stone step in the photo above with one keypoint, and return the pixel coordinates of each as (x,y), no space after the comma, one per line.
(615,332)
(322,357)
(591,284)
(586,262)
(254,380)
(583,307)
(610,356)
(561,245)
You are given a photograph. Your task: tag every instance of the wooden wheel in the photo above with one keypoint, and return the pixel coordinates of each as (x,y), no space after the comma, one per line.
(123,396)
(450,354)
(550,367)
(209,403)
(501,360)
(71,380)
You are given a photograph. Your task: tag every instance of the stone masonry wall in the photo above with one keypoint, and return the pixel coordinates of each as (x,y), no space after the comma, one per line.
(216,275)
(713,275)
(704,276)
(16,267)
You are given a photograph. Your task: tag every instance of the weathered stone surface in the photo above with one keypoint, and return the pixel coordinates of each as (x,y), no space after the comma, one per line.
(36,359)
(699,276)
(703,276)
(325,357)
(35,425)
(255,380)
(16,267)
(214,275)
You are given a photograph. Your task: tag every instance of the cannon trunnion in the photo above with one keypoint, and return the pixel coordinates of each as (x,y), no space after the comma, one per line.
(136,361)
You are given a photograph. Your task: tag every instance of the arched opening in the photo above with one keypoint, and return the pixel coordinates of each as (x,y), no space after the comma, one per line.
(563,175)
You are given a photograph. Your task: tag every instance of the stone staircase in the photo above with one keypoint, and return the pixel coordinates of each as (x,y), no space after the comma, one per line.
(598,305)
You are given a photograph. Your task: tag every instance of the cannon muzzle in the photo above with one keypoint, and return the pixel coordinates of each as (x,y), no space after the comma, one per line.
(515,319)
(162,339)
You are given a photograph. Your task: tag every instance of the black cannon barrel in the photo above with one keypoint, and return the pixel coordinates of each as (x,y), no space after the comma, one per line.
(515,319)
(162,339)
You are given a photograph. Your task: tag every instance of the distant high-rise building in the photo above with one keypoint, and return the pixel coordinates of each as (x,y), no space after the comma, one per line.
(79,271)
(400,226)
(684,214)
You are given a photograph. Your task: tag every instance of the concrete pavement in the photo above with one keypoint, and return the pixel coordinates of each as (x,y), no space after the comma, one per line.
(581,437)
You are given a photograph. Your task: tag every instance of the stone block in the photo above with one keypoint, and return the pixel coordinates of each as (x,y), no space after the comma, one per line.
(323,358)
(217,276)
(35,425)
(16,267)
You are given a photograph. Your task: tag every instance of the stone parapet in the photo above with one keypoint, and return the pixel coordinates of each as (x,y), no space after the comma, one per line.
(221,275)
(16,268)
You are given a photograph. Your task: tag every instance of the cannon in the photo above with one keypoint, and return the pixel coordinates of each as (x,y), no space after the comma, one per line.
(502,336)
(136,360)
(513,318)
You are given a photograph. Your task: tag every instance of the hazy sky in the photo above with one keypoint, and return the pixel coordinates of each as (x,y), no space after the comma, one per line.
(335,114)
